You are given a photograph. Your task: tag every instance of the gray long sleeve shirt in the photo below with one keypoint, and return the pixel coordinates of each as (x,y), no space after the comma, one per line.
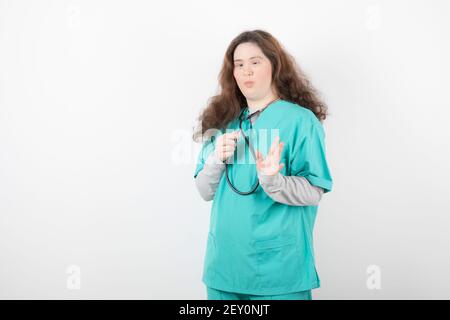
(290,190)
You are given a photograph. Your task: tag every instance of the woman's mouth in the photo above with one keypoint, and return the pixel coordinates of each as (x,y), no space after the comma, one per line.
(248,84)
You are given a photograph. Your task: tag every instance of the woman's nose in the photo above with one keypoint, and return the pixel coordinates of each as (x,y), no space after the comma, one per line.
(248,72)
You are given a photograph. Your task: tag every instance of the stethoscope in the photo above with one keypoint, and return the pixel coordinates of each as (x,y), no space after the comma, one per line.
(247,141)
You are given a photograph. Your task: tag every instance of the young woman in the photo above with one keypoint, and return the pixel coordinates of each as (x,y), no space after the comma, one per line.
(260,242)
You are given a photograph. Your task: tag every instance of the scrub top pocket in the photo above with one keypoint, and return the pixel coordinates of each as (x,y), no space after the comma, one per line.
(279,262)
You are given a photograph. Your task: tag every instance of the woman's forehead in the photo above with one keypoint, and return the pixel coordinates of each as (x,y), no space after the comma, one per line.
(247,51)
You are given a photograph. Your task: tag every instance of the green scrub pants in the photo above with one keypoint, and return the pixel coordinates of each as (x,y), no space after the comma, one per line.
(214,294)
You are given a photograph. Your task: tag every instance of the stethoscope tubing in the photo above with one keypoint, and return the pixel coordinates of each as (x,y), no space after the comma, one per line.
(247,141)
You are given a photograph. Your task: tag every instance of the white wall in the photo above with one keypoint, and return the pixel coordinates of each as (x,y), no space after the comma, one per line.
(97,104)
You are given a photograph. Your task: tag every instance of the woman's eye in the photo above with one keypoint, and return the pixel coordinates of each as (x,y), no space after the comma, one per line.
(240,65)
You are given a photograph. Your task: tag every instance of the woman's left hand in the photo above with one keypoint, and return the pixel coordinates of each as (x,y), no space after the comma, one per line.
(271,164)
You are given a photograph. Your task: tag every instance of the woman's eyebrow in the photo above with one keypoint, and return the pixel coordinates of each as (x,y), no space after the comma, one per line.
(248,59)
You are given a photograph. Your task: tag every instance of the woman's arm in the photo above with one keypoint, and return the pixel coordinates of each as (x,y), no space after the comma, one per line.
(291,190)
(208,178)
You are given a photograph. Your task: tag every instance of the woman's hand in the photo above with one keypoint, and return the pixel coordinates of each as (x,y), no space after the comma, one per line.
(226,144)
(271,164)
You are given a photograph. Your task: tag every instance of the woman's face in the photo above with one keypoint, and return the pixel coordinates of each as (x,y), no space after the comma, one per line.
(251,65)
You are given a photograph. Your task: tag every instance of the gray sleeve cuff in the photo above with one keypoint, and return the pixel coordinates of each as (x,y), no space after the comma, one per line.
(209,177)
(213,160)
(271,183)
(290,190)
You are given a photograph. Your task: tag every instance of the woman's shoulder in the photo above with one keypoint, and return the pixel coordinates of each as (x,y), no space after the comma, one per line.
(299,114)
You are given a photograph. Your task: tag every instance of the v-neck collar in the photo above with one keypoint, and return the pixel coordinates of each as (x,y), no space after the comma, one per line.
(258,120)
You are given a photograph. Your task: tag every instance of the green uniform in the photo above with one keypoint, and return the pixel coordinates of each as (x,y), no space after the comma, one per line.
(256,245)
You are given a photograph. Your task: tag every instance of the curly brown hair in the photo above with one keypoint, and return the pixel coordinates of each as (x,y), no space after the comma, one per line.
(290,82)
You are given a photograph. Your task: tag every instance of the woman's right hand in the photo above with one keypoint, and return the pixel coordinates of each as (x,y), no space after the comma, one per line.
(226,144)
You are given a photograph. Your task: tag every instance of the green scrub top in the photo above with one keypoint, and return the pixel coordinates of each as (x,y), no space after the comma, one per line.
(256,245)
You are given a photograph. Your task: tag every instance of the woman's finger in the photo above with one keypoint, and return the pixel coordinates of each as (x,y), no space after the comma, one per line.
(274,145)
(228,148)
(230,143)
(233,136)
(228,154)
(258,155)
(280,149)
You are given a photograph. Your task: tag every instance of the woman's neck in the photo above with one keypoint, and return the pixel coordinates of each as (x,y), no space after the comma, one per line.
(254,106)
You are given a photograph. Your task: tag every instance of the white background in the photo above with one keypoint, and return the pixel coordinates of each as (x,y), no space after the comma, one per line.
(98,100)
